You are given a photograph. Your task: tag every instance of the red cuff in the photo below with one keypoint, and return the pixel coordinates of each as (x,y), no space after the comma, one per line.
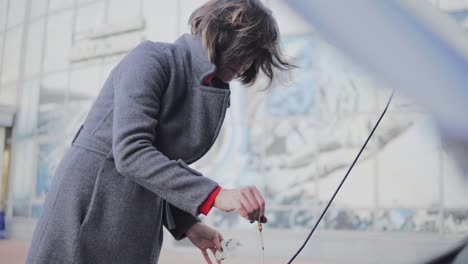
(208,203)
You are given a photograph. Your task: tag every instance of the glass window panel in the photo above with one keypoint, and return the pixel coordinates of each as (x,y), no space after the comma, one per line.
(461,17)
(53,119)
(21,207)
(12,52)
(338,142)
(60,4)
(38,8)
(290,148)
(53,88)
(25,150)
(78,110)
(155,16)
(90,16)
(36,210)
(400,103)
(454,184)
(16,12)
(57,117)
(123,10)
(409,160)
(50,155)
(3,14)
(52,110)
(108,65)
(1,51)
(185,9)
(23,178)
(58,43)
(232,155)
(49,158)
(28,106)
(85,83)
(106,70)
(34,48)
(87,1)
(8,95)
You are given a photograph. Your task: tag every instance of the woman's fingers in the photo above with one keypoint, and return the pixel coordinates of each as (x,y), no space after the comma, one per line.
(260,201)
(214,254)
(217,242)
(221,238)
(252,203)
(249,203)
(207,258)
(242,211)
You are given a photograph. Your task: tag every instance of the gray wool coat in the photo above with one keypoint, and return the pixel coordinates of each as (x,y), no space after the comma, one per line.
(126,174)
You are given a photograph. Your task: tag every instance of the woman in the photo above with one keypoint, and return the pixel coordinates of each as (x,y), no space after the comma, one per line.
(126,174)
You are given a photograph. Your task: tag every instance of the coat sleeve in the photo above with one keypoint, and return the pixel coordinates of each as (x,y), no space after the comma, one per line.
(178,222)
(139,82)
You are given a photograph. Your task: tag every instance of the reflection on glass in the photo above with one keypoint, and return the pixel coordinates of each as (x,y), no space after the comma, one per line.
(456,221)
(21,207)
(414,220)
(461,16)
(50,155)
(52,103)
(348,219)
(36,211)
(23,175)
(62,119)
(234,159)
(290,162)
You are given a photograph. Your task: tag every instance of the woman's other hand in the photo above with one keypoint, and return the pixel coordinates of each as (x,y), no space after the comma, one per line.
(205,237)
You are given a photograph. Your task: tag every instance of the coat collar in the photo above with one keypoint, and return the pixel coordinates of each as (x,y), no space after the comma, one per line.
(200,64)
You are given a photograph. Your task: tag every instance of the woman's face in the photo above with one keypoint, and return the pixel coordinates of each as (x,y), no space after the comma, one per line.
(229,72)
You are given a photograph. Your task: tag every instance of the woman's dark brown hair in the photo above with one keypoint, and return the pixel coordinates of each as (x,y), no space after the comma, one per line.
(236,30)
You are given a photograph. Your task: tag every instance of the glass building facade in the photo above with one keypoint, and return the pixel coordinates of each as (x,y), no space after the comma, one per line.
(294,142)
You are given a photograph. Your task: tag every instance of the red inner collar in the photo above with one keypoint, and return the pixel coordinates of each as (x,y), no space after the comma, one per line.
(208,79)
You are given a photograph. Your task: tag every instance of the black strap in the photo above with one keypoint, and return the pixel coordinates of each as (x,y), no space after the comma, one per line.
(344,179)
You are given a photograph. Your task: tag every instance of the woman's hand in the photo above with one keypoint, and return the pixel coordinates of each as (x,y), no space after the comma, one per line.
(205,237)
(248,202)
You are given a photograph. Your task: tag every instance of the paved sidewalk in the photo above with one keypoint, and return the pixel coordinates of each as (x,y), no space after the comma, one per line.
(14,252)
